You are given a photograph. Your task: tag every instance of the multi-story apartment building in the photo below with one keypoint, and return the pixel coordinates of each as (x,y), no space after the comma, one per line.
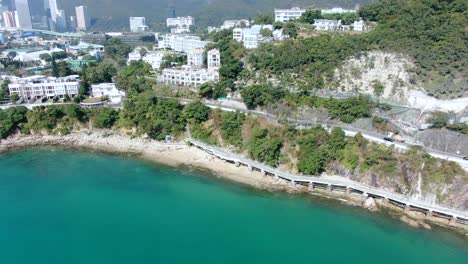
(83,20)
(337,10)
(36,87)
(194,75)
(284,15)
(195,57)
(214,59)
(326,24)
(154,58)
(181,43)
(23,15)
(138,24)
(180,21)
(251,37)
(189,76)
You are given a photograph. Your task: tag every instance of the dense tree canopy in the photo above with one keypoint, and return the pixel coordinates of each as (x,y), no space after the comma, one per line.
(153,116)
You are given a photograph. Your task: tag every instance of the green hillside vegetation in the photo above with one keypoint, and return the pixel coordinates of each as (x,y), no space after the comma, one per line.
(431,31)
(314,151)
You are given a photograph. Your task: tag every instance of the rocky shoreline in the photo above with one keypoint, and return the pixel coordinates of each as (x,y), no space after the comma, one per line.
(180,154)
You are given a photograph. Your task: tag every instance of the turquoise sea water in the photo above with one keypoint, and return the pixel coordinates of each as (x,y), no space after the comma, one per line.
(60,206)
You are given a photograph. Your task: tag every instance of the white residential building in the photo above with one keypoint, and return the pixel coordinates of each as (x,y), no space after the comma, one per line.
(135,55)
(193,75)
(109,90)
(251,37)
(195,57)
(180,21)
(138,24)
(154,58)
(83,20)
(228,24)
(214,59)
(181,43)
(180,30)
(337,10)
(36,87)
(91,49)
(285,15)
(326,24)
(359,25)
(189,76)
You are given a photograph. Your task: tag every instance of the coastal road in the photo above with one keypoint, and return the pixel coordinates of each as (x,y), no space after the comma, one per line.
(349,131)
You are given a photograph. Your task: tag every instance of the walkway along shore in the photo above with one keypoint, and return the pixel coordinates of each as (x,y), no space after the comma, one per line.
(348,186)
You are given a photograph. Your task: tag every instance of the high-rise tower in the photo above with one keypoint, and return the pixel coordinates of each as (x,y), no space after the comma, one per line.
(171,9)
(23,14)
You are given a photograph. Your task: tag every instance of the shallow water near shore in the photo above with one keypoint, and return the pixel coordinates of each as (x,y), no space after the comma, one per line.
(64,206)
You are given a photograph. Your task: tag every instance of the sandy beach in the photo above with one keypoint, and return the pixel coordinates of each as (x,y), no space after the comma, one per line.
(172,154)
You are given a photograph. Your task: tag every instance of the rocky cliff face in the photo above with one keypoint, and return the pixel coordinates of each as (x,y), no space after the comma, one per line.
(384,75)
(391,78)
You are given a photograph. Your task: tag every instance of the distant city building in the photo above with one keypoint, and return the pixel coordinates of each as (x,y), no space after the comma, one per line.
(73,23)
(181,43)
(9,19)
(180,21)
(109,90)
(251,37)
(23,14)
(82,18)
(195,57)
(326,24)
(138,24)
(37,87)
(53,10)
(337,10)
(95,38)
(285,15)
(214,59)
(61,21)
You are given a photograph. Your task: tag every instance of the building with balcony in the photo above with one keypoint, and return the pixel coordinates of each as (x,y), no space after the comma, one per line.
(285,15)
(181,43)
(109,90)
(37,87)
(326,24)
(251,37)
(189,76)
